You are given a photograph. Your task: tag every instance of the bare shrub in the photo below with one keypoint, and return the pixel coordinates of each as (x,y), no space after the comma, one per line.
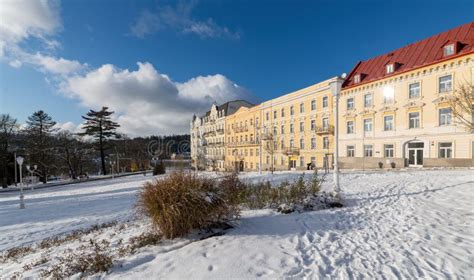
(182,202)
(16,253)
(87,260)
(142,240)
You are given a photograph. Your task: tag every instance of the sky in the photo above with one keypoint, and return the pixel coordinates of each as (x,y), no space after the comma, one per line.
(156,63)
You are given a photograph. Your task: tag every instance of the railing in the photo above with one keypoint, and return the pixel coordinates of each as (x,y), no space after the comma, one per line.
(325,129)
(241,129)
(243,143)
(291,151)
(209,133)
(220,131)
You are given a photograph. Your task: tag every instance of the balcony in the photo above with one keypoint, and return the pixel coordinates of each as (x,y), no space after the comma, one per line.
(325,129)
(243,143)
(220,131)
(209,133)
(241,129)
(291,151)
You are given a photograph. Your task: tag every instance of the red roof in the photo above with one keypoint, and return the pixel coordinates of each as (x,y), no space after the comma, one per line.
(416,55)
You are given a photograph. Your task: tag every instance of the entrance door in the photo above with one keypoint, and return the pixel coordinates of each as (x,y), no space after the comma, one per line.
(292,164)
(415,154)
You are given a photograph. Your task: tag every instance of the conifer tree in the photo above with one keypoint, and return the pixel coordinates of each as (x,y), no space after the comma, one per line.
(40,127)
(99,125)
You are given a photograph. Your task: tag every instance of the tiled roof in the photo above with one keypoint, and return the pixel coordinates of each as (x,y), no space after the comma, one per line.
(416,55)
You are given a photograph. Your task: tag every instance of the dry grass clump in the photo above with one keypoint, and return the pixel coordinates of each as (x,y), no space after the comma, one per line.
(86,260)
(264,195)
(16,253)
(183,201)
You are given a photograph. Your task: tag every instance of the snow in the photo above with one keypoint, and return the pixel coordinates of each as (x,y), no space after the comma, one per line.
(396,224)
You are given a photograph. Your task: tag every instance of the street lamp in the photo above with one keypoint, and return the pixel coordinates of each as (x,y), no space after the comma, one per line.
(32,172)
(19,161)
(336,85)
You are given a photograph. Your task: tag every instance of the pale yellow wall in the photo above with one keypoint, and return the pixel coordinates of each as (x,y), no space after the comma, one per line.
(427,104)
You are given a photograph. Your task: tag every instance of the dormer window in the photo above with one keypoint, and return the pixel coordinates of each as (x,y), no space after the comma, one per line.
(357,78)
(448,50)
(390,68)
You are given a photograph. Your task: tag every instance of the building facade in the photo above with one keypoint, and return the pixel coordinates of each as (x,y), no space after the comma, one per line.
(394,108)
(208,136)
(243,143)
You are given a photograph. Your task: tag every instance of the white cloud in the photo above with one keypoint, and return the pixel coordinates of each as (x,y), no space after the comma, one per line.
(55,65)
(24,19)
(147,102)
(179,18)
(68,126)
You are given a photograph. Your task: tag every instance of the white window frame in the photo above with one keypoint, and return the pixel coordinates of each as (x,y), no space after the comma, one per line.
(357,79)
(368,125)
(445,86)
(417,90)
(313,105)
(445,152)
(350,103)
(390,150)
(301,126)
(301,107)
(313,143)
(445,119)
(325,142)
(350,131)
(350,150)
(389,68)
(325,102)
(302,143)
(385,123)
(448,50)
(416,122)
(368,104)
(368,150)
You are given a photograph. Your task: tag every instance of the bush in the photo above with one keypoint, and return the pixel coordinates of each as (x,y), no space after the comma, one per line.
(159,168)
(392,164)
(182,202)
(380,164)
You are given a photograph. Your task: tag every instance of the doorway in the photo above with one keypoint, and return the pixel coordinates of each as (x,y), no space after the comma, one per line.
(415,154)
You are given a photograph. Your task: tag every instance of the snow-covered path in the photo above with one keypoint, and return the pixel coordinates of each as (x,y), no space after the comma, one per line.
(57,210)
(416,225)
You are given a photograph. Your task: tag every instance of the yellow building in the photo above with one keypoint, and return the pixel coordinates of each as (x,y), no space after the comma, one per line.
(289,132)
(243,139)
(394,109)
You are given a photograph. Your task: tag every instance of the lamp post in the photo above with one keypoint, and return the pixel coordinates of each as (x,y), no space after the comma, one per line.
(32,170)
(336,85)
(19,160)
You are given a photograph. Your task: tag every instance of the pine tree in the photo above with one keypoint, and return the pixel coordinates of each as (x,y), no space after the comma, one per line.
(8,127)
(99,125)
(40,127)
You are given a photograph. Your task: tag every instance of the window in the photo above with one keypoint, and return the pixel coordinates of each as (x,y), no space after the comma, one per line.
(389,68)
(368,100)
(302,143)
(325,102)
(268,159)
(445,116)
(445,150)
(414,90)
(275,130)
(448,50)
(302,161)
(292,143)
(350,127)
(246,152)
(313,161)
(368,125)
(282,129)
(445,83)
(388,123)
(282,113)
(388,150)
(282,143)
(368,151)
(350,103)
(313,124)
(325,142)
(256,121)
(301,107)
(251,152)
(325,123)
(301,126)
(313,143)
(313,105)
(357,78)
(350,151)
(267,115)
(292,110)
(292,130)
(257,151)
(274,114)
(414,120)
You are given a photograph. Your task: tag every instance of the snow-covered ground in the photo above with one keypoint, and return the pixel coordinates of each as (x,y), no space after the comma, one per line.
(408,224)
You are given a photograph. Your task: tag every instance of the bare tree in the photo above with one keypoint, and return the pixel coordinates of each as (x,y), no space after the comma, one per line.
(462,106)
(270,145)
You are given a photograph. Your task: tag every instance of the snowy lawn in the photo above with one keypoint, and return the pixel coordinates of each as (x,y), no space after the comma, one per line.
(407,224)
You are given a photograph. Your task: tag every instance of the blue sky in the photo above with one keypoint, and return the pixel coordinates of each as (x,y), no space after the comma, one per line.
(193,52)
